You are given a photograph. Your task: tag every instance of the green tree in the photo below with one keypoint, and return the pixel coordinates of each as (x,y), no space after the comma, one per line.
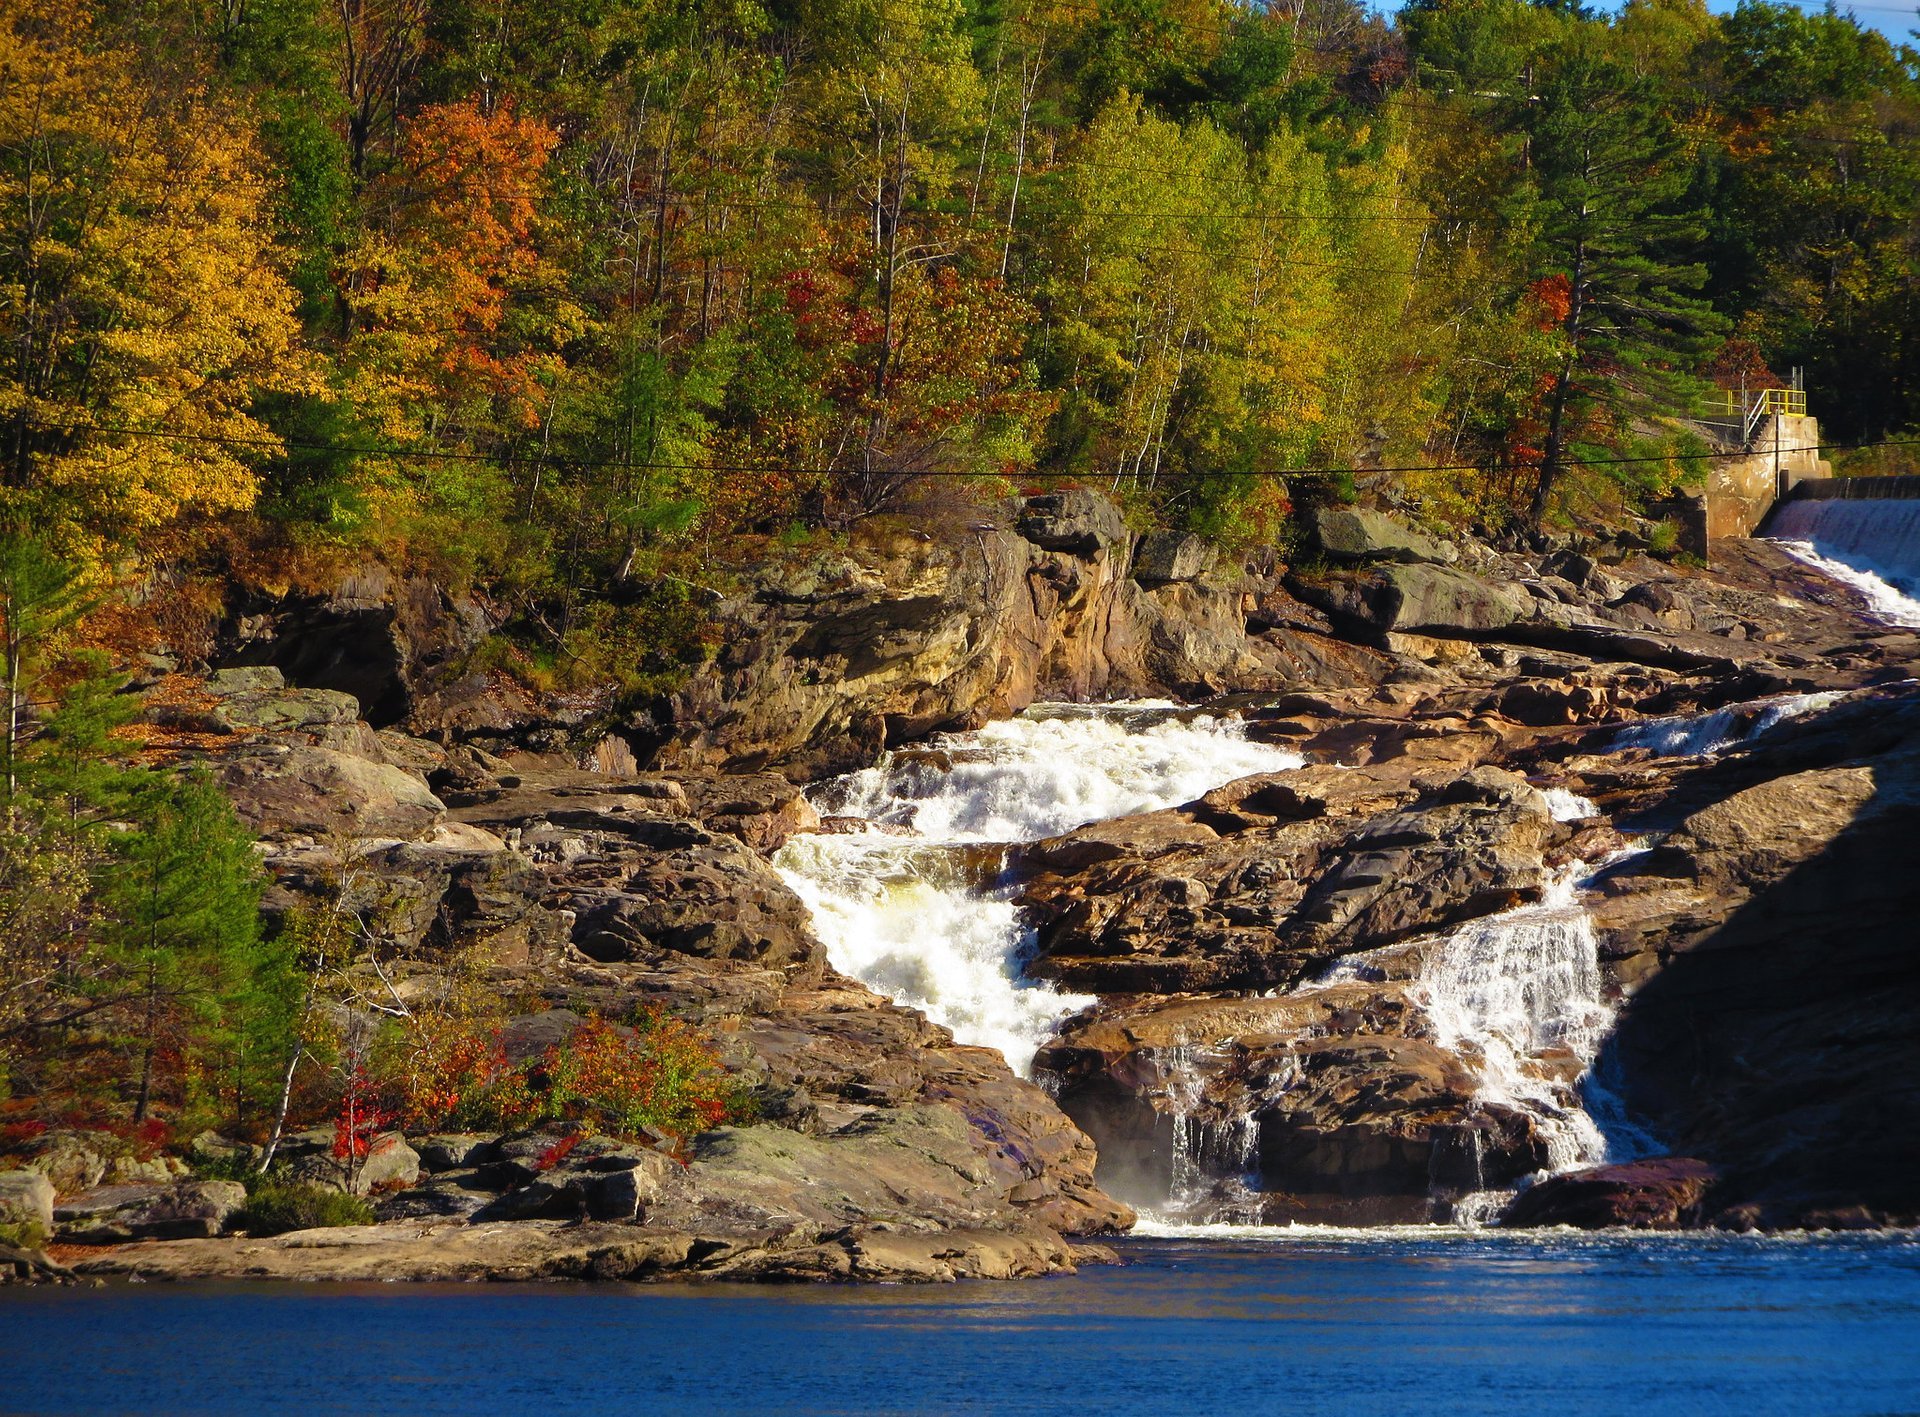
(182,934)
(1607,199)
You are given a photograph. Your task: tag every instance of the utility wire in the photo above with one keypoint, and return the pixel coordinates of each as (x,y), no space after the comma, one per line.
(285,445)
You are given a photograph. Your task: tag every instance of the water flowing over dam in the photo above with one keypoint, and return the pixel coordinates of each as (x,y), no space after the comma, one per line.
(907,900)
(1871,544)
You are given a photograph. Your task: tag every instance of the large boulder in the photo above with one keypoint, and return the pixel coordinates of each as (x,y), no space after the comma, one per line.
(1166,557)
(1081,523)
(1415,599)
(1663,1193)
(288,789)
(185,1210)
(386,639)
(1333,1098)
(1355,534)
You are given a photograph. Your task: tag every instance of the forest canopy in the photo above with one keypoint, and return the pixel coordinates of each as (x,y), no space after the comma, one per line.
(557,295)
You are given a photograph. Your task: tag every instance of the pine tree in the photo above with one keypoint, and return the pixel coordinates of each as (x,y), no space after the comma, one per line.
(183,929)
(1606,197)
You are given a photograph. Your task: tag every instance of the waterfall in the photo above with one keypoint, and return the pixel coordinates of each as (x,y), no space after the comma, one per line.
(907,900)
(1872,544)
(1506,990)
(1697,735)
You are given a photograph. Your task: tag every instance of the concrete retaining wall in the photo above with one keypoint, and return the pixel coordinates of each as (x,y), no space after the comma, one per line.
(1742,490)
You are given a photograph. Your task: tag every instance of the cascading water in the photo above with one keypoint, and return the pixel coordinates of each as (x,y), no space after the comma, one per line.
(906,900)
(1886,599)
(1512,989)
(1871,543)
(1697,735)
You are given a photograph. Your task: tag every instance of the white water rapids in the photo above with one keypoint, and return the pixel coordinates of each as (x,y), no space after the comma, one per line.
(904,893)
(1703,734)
(1510,993)
(1870,543)
(901,907)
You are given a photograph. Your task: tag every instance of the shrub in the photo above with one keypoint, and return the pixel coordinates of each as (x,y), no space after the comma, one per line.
(276,1207)
(660,1076)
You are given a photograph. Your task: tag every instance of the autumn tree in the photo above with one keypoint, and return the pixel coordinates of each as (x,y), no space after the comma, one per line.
(144,304)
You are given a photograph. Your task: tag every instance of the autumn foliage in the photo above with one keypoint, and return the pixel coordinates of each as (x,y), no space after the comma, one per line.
(656,1074)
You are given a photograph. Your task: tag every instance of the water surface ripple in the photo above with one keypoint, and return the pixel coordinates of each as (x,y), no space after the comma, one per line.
(1317,1322)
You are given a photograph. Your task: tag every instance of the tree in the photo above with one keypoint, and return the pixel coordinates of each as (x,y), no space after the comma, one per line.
(144,303)
(40,595)
(1606,199)
(181,930)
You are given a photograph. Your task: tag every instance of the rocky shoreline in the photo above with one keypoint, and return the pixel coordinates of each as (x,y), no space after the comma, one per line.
(1459,710)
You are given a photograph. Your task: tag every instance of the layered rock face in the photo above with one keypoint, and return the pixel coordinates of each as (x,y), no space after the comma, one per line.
(1765,945)
(1281,963)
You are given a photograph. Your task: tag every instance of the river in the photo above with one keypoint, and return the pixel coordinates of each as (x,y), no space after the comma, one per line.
(1317,1322)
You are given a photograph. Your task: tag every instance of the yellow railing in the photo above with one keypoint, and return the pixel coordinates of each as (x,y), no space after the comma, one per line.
(1760,403)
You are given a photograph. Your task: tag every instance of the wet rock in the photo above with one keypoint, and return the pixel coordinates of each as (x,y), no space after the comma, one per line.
(1664,1193)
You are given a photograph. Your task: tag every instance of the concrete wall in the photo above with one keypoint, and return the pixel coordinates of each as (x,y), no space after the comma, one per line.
(1742,490)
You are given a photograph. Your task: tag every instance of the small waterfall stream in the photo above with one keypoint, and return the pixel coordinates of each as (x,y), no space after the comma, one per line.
(1703,734)
(907,900)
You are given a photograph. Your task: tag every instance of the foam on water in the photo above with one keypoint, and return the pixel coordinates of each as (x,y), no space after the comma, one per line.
(1568,806)
(898,906)
(1051,770)
(1508,988)
(1870,536)
(1702,734)
(1886,599)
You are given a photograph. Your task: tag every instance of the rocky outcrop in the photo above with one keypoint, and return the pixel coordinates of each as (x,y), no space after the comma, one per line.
(114,1215)
(26,1209)
(827,662)
(1354,534)
(1260,883)
(1422,682)
(605,895)
(1762,945)
(442,1249)
(1336,1098)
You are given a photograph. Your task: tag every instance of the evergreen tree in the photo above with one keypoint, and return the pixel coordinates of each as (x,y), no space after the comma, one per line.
(1606,197)
(183,934)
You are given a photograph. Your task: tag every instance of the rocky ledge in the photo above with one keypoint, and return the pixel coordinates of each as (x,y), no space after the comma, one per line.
(1257,952)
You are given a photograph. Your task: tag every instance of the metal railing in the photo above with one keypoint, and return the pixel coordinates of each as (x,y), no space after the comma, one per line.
(1750,406)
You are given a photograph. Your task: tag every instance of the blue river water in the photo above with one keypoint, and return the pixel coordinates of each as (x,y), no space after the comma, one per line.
(1310,1324)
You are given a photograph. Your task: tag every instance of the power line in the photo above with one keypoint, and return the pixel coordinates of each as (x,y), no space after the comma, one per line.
(285,444)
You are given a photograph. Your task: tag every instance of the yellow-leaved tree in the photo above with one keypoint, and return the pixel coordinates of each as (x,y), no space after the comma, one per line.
(142,302)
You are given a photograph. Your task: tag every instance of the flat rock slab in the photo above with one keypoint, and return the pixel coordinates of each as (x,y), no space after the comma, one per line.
(436,1249)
